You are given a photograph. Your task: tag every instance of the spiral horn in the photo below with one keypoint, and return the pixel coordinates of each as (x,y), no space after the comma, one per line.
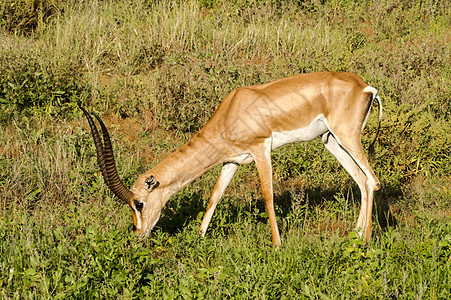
(105,159)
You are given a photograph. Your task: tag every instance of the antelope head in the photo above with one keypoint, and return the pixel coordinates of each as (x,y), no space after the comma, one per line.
(146,198)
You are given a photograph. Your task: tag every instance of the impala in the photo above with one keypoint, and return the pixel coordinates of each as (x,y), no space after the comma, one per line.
(247,125)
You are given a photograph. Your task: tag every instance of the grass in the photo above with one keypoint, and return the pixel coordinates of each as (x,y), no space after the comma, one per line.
(156,72)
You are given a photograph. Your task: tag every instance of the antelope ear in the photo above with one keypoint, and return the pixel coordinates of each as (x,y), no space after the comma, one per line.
(151,183)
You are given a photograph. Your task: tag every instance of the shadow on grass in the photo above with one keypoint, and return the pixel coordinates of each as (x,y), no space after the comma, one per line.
(317,197)
(231,210)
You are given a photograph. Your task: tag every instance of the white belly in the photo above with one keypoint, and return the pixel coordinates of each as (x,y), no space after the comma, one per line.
(316,128)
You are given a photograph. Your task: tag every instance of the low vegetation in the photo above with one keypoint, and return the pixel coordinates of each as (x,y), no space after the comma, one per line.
(155,71)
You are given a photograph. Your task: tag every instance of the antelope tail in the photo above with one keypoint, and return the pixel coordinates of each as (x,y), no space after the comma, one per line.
(371,150)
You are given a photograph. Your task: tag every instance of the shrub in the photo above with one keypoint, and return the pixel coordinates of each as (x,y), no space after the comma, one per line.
(26,16)
(29,82)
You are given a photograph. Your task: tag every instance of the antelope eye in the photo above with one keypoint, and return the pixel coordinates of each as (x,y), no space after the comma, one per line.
(139,206)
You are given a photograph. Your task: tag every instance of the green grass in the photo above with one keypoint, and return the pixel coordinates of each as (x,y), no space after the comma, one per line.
(155,73)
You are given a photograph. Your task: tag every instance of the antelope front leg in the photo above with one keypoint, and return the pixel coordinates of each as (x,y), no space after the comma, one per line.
(227,172)
(262,159)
